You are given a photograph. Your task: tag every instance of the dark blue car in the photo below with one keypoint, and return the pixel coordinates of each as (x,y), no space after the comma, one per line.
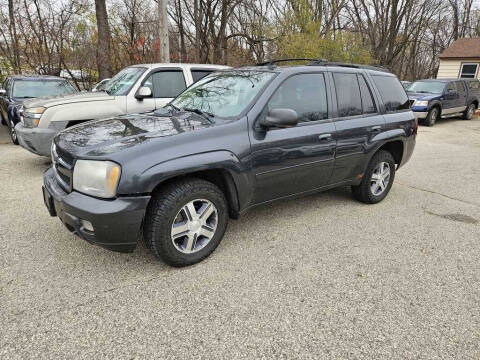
(18,88)
(436,98)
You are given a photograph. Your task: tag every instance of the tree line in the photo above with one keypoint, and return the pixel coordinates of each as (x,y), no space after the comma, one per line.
(97,39)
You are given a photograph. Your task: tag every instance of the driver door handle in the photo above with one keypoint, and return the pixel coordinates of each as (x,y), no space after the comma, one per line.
(325,137)
(376,128)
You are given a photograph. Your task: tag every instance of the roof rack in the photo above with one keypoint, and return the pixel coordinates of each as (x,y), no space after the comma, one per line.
(272,62)
(323,62)
(349,65)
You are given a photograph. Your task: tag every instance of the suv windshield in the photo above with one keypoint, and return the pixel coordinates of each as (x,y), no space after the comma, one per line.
(121,83)
(224,94)
(36,88)
(431,87)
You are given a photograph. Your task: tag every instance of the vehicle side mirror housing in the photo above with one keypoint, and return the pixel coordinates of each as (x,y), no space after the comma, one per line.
(280,118)
(143,92)
(3,92)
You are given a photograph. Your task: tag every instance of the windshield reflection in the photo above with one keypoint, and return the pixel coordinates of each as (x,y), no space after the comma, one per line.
(224,94)
(121,83)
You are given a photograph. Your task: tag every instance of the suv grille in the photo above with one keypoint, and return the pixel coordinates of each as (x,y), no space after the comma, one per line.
(63,168)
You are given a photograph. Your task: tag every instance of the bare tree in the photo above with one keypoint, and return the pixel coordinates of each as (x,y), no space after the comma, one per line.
(104,62)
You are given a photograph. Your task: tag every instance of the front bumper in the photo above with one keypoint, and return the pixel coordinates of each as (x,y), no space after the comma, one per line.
(117,223)
(420,114)
(35,140)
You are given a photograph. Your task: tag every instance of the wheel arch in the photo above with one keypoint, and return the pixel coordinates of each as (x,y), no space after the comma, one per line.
(396,148)
(220,177)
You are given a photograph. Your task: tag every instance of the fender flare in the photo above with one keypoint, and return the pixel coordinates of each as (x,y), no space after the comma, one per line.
(223,160)
(435,103)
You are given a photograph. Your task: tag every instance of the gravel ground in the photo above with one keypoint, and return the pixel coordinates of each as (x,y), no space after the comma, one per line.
(319,277)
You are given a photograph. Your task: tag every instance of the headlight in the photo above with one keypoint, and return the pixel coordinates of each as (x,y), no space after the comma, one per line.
(97,178)
(33,115)
(420,103)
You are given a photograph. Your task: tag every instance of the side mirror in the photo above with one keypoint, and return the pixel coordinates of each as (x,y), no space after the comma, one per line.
(143,92)
(3,92)
(280,118)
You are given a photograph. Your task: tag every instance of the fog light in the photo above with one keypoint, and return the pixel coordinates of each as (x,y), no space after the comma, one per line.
(87,225)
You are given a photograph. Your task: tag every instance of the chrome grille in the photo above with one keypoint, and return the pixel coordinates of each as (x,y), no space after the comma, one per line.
(63,169)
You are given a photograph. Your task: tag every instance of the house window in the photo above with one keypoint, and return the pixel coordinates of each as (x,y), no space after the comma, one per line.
(469,71)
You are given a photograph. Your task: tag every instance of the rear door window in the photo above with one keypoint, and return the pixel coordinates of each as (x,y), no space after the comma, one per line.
(304,93)
(166,84)
(348,94)
(392,92)
(460,87)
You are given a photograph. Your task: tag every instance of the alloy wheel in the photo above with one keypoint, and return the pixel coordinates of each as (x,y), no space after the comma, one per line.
(194,226)
(380,178)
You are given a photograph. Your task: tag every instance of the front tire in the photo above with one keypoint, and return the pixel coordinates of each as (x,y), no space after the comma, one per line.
(13,133)
(468,114)
(432,116)
(377,180)
(185,221)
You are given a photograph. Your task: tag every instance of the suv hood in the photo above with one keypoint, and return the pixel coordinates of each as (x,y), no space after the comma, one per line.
(67,99)
(422,96)
(104,137)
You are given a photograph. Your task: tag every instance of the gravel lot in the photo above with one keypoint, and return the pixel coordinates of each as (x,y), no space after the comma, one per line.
(319,277)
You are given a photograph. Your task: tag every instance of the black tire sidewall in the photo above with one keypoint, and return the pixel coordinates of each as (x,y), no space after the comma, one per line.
(466,116)
(429,121)
(10,129)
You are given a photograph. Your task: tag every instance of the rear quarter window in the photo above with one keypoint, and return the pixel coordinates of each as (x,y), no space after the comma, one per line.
(392,92)
(199,74)
(474,84)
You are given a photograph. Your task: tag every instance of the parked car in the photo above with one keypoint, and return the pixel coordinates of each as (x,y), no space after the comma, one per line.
(135,89)
(432,99)
(16,89)
(406,84)
(100,86)
(235,140)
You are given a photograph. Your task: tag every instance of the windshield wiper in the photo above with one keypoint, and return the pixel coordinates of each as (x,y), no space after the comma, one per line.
(208,116)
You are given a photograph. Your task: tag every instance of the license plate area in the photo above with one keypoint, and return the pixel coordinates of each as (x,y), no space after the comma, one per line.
(48,200)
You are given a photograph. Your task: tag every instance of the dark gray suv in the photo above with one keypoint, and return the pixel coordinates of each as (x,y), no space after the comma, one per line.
(234,140)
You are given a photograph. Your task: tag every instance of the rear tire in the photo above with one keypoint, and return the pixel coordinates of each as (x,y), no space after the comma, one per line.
(377,180)
(175,230)
(432,116)
(468,114)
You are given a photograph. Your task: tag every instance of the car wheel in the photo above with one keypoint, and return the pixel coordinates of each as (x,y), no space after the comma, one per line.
(432,116)
(13,133)
(468,114)
(377,180)
(185,221)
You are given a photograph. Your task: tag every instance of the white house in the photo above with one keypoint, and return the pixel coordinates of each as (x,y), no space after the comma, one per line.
(460,60)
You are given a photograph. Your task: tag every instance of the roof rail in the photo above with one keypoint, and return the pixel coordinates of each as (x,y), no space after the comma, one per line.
(272,62)
(350,65)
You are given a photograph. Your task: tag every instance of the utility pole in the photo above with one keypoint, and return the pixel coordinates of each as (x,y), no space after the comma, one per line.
(163,48)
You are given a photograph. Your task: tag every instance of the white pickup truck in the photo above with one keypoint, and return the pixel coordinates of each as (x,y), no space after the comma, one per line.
(135,89)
